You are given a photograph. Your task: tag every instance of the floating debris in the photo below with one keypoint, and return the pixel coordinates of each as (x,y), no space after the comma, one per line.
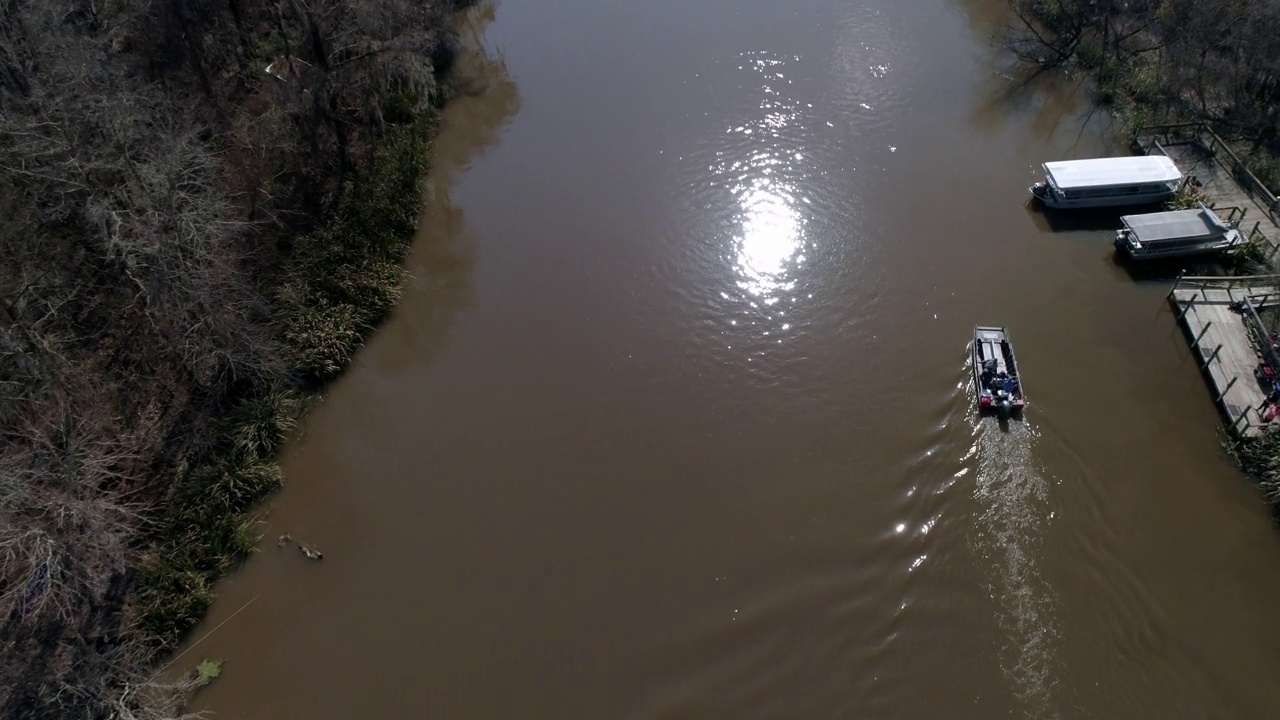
(308,550)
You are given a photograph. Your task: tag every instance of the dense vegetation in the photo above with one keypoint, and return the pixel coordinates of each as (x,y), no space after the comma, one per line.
(1216,61)
(204,208)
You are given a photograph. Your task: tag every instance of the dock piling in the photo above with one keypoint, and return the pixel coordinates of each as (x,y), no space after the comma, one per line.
(1235,424)
(1190,304)
(1205,329)
(1212,357)
(1227,389)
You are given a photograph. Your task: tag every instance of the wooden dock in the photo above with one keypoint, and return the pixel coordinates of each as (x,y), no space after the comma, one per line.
(1220,314)
(1226,181)
(1225,347)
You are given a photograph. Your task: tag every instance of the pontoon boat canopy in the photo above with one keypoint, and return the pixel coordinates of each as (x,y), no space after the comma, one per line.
(1112,171)
(1175,225)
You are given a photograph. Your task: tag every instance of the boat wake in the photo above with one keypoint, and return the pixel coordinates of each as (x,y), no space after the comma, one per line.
(1013,494)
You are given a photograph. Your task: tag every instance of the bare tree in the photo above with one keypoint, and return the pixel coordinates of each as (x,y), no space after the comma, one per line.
(1214,60)
(156,188)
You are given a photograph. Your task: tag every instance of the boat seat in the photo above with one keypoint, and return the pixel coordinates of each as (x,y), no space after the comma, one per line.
(990,350)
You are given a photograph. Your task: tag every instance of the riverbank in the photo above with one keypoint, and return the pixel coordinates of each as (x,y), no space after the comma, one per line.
(1172,62)
(198,235)
(1180,62)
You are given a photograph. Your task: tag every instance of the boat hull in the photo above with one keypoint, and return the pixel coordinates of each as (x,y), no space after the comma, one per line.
(1052,200)
(997,383)
(1206,248)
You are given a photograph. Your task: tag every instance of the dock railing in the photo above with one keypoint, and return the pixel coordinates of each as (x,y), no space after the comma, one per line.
(1259,238)
(1156,137)
(1225,282)
(1231,213)
(1259,290)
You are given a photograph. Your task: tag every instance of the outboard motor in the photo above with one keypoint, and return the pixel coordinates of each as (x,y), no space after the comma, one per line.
(1005,407)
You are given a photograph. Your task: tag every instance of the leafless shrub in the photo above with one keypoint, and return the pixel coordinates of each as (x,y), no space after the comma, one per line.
(64,517)
(154,699)
(1214,60)
(153,181)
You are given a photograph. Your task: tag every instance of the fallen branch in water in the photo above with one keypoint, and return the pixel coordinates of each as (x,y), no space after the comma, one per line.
(309,551)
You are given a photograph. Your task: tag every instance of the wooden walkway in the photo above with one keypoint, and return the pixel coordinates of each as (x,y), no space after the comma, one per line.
(1220,313)
(1223,344)
(1225,179)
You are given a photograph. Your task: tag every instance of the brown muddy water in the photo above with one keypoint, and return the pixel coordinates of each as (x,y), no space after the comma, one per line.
(673,422)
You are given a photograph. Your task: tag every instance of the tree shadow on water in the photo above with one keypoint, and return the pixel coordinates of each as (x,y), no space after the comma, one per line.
(1164,271)
(1055,105)
(1102,219)
(1077,220)
(440,267)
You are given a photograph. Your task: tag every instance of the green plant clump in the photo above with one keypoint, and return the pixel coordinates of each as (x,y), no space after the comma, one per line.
(344,278)
(341,280)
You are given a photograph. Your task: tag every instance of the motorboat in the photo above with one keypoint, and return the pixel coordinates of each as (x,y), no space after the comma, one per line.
(996,382)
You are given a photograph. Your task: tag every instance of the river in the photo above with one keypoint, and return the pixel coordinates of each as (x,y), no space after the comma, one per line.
(673,420)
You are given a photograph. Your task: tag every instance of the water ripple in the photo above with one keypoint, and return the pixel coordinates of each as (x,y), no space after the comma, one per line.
(828,620)
(763,211)
(869,53)
(1013,493)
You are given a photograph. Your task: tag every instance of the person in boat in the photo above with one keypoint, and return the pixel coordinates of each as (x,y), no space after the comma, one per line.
(988,373)
(1011,387)
(1273,398)
(998,382)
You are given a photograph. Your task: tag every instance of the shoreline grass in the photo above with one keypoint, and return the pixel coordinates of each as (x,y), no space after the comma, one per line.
(170,306)
(340,282)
